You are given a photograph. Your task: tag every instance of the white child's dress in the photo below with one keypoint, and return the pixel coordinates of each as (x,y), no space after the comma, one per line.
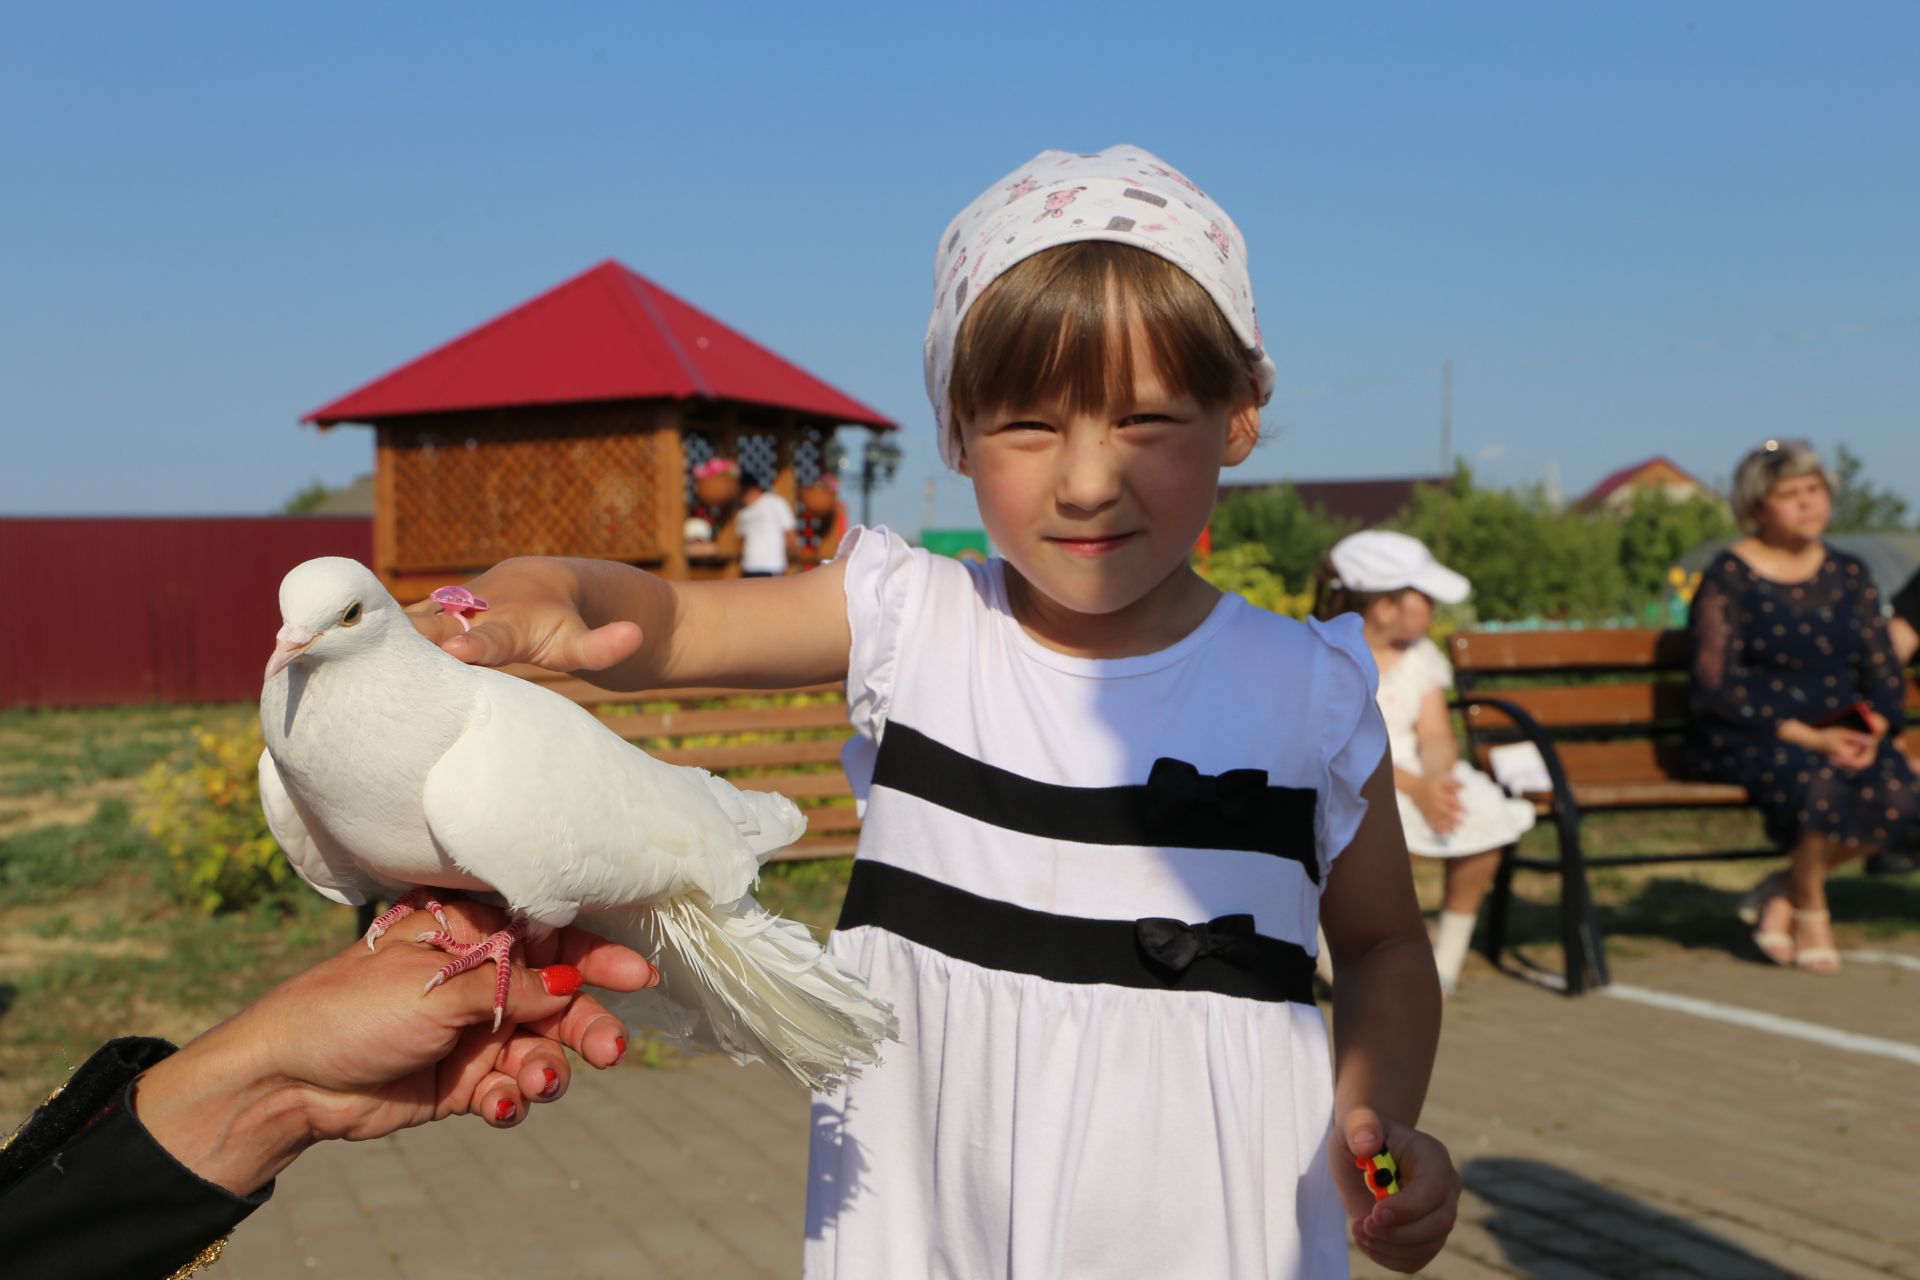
(1489,817)
(1089,889)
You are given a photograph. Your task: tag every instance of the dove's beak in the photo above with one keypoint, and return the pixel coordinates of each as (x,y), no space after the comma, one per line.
(288,645)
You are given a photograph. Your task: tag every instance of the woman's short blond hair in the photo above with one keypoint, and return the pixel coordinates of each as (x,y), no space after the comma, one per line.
(1767,466)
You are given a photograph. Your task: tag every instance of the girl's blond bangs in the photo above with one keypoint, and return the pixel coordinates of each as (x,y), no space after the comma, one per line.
(1048,333)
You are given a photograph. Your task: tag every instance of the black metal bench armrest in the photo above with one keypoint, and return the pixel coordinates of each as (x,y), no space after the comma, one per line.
(1580,940)
(1566,808)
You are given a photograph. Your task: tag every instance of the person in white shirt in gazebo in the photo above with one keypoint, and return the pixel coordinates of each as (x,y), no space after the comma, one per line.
(767,530)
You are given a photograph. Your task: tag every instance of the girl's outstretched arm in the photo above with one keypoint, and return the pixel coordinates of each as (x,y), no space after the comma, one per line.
(1386,1028)
(624,628)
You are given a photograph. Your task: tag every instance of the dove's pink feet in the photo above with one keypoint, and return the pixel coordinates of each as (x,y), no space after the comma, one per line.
(411,901)
(496,947)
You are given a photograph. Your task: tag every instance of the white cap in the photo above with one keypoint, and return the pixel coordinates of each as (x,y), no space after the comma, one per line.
(1376,560)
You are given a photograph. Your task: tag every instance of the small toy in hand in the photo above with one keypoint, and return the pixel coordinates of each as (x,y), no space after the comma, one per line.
(1383,1175)
(459,602)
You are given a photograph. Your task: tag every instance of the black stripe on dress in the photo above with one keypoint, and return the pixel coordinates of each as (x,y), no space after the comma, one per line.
(1069,949)
(1179,808)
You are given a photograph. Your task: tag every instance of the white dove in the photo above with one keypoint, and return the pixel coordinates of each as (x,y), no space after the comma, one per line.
(392,767)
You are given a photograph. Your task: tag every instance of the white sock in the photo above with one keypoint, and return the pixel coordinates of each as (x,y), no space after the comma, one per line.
(1450,944)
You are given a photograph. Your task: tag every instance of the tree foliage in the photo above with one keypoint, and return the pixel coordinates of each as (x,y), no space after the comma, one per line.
(1525,558)
(1294,534)
(1656,531)
(1862,506)
(305,500)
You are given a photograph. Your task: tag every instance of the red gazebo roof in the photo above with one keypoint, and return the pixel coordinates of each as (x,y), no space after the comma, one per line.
(607,334)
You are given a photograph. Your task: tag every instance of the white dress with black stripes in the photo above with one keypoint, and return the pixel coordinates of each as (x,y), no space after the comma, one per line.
(1089,889)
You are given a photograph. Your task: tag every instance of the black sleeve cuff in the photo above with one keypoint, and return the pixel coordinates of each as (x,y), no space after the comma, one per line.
(86,1191)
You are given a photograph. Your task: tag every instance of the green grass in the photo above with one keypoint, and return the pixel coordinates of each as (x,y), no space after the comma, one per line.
(36,778)
(46,864)
(121,957)
(194,968)
(116,756)
(806,891)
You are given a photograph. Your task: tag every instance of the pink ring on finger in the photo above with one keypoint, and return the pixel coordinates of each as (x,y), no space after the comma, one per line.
(459,602)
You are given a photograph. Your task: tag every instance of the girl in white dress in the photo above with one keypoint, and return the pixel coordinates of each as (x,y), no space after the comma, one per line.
(1448,808)
(1104,805)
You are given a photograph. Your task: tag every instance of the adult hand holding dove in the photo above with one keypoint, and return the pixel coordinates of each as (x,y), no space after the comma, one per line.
(349,1050)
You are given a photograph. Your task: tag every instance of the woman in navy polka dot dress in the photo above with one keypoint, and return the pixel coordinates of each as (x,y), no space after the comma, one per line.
(1788,639)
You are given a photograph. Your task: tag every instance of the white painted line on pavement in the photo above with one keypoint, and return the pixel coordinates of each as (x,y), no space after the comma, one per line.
(1852,1042)
(1899,959)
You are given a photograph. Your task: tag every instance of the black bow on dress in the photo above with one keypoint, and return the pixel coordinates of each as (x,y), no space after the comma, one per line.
(1175,944)
(1176,789)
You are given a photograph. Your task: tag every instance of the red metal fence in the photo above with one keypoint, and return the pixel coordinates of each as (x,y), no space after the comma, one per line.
(103,611)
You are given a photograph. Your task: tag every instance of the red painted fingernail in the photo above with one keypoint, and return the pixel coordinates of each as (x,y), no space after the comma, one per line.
(619,1048)
(548,1089)
(560,979)
(503,1111)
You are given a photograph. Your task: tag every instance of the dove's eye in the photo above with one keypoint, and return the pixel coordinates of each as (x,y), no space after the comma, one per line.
(351,616)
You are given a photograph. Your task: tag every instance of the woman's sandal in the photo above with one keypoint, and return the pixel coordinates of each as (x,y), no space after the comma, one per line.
(1814,959)
(1776,946)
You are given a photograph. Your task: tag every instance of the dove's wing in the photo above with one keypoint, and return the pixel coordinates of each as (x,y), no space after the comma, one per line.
(542,801)
(321,863)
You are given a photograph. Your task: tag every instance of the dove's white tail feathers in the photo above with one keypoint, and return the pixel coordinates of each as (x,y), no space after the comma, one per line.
(768,820)
(760,988)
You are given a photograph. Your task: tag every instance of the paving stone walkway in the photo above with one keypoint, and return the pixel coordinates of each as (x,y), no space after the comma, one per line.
(1599,1137)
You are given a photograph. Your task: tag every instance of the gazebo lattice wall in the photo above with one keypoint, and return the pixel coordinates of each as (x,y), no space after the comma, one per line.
(457,492)
(468,489)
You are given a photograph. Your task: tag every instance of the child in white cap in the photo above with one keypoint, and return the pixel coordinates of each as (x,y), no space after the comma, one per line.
(1448,808)
(1104,805)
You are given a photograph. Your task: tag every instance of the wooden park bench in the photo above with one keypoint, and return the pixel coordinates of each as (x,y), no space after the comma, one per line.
(787,741)
(1608,711)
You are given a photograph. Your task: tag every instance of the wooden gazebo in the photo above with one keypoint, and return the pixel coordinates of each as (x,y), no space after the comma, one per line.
(573,425)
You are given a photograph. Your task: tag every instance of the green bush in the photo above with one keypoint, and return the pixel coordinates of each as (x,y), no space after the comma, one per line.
(1294,534)
(1656,531)
(1524,558)
(1244,570)
(205,812)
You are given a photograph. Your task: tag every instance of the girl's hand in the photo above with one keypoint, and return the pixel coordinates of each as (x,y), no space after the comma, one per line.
(1404,1232)
(1438,799)
(532,615)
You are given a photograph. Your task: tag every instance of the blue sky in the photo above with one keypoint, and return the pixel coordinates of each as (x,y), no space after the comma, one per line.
(1633,227)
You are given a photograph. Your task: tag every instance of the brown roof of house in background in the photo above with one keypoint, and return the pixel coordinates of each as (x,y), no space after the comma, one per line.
(1365,502)
(1642,472)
